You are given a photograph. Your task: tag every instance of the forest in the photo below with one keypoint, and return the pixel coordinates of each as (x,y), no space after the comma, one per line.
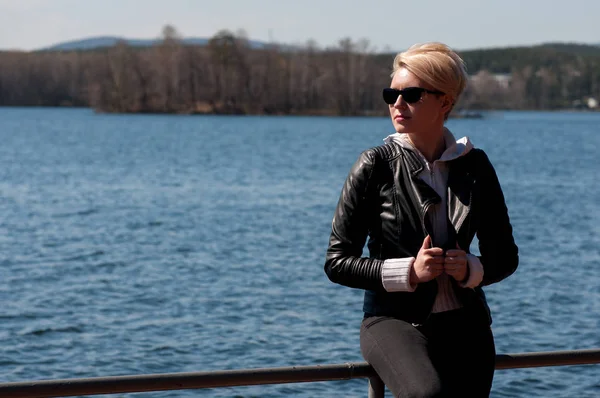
(230,76)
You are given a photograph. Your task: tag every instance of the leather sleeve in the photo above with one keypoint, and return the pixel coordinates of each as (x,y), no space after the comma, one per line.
(499,253)
(350,228)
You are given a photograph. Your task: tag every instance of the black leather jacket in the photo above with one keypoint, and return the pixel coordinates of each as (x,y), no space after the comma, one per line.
(385,200)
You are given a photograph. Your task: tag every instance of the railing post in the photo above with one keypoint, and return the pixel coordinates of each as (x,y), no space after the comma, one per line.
(376,387)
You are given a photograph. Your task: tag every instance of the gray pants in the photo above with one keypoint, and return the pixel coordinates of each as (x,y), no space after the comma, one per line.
(451,355)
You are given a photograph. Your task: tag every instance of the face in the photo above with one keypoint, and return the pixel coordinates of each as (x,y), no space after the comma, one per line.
(423,116)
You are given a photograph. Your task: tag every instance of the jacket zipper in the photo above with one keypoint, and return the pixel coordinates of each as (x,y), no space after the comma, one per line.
(426,208)
(427,205)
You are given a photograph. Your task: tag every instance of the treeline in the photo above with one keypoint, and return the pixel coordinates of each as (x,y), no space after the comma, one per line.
(550,76)
(229,76)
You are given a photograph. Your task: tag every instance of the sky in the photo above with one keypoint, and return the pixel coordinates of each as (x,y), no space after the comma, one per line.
(386,24)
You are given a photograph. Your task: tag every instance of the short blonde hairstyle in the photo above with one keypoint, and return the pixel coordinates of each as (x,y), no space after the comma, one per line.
(437,65)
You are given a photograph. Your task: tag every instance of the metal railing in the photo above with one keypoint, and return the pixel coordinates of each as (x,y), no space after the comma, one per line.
(248,377)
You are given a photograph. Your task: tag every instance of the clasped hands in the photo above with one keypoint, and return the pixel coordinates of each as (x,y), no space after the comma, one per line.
(432,262)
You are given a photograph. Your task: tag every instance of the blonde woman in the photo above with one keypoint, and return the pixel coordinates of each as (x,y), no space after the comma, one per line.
(420,199)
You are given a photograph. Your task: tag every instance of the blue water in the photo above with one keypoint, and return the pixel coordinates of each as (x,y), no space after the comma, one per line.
(155,244)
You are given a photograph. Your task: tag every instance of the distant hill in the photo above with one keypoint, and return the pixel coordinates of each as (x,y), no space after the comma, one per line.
(109,41)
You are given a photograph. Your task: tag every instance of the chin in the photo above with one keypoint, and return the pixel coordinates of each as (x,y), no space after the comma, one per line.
(400,128)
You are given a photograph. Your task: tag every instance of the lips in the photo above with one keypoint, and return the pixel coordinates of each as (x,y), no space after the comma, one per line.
(400,118)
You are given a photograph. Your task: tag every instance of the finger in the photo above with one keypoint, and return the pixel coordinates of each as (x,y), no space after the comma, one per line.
(457,246)
(449,260)
(451,268)
(456,259)
(454,274)
(455,263)
(426,242)
(455,253)
(454,268)
(434,251)
(435,260)
(450,273)
(436,269)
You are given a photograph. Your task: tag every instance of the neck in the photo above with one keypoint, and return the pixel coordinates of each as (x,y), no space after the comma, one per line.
(431,145)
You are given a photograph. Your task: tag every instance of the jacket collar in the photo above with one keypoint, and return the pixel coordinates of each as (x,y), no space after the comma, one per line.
(415,159)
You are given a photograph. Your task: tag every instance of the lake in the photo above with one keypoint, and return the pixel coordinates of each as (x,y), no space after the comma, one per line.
(134,244)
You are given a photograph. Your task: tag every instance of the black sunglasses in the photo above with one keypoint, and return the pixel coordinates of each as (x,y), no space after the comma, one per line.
(409,94)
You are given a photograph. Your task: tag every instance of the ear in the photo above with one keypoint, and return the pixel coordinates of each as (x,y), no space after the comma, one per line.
(447,103)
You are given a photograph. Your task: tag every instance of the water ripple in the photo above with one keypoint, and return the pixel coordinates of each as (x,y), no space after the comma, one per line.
(153,244)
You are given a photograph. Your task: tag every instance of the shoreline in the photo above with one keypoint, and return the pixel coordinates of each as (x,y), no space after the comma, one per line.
(471,114)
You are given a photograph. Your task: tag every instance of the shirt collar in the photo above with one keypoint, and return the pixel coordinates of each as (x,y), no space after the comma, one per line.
(454,148)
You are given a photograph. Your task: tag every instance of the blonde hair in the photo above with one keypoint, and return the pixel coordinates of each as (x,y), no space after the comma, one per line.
(437,65)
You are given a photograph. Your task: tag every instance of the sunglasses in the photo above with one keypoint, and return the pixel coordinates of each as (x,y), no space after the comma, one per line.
(409,94)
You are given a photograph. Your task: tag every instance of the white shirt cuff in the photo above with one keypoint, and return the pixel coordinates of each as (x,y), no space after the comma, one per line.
(395,274)
(475,272)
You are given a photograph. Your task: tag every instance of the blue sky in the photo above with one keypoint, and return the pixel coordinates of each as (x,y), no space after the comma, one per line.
(388,25)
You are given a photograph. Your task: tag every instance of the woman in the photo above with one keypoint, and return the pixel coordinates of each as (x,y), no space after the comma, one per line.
(420,199)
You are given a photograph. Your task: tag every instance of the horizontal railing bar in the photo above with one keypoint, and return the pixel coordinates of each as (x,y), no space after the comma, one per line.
(181,381)
(247,377)
(551,358)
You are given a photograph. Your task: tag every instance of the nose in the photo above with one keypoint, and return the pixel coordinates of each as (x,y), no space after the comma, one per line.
(400,103)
